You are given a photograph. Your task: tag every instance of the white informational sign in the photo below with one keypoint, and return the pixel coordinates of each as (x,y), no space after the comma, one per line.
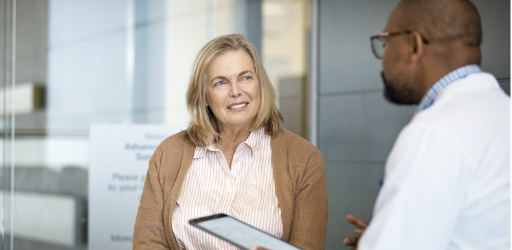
(118,164)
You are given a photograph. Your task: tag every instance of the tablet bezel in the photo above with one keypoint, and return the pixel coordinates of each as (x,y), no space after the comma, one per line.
(194,222)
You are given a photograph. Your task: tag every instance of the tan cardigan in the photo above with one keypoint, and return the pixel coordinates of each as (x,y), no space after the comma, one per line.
(301,190)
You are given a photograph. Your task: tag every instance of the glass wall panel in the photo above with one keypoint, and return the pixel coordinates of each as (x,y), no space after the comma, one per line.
(7,80)
(84,63)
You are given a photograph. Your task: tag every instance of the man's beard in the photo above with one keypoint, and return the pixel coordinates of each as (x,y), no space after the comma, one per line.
(394,95)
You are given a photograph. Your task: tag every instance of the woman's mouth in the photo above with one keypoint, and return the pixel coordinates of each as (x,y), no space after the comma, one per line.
(238,105)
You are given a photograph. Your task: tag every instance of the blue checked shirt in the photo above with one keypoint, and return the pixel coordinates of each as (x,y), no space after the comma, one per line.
(439,86)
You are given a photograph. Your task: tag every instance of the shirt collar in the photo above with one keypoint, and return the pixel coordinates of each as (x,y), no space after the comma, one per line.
(440,85)
(199,152)
(253,141)
(255,138)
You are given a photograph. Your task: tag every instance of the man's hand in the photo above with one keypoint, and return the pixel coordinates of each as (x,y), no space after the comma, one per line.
(361,226)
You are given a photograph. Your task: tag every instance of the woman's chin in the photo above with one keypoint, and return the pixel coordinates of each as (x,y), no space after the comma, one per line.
(238,123)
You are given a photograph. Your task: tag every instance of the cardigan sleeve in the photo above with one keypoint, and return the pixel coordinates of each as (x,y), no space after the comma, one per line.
(149,231)
(309,220)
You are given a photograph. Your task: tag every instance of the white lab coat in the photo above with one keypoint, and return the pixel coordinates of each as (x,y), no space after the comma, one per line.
(447,179)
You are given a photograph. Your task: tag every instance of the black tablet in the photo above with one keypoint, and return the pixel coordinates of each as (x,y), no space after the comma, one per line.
(239,233)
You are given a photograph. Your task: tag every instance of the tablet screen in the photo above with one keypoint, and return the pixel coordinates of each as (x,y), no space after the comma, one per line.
(242,234)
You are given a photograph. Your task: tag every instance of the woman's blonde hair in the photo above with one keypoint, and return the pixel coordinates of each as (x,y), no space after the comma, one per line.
(203,128)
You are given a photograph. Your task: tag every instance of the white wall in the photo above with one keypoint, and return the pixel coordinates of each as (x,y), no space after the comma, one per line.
(89,79)
(190,25)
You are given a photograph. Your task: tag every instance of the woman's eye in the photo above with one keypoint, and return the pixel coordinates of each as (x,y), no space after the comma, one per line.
(246,78)
(219,83)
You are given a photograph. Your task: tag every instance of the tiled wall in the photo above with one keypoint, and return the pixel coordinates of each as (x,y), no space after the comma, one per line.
(357,127)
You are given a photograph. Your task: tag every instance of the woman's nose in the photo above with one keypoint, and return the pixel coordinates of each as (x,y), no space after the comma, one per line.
(235,91)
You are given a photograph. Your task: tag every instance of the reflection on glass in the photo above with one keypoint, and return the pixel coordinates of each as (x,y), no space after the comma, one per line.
(286,25)
(88,62)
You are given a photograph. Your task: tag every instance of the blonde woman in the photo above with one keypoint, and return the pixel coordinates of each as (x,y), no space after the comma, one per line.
(234,158)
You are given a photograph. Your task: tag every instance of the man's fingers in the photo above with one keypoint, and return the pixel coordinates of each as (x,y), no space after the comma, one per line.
(357,222)
(350,241)
(361,226)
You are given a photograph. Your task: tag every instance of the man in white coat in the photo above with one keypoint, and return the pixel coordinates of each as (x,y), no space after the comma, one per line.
(447,178)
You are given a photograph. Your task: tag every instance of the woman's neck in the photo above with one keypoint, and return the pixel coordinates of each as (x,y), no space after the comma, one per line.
(232,137)
(229,140)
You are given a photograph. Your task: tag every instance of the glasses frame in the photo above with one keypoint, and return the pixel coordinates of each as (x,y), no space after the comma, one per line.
(389,34)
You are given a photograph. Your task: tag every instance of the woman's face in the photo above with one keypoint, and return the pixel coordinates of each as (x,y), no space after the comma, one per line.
(232,90)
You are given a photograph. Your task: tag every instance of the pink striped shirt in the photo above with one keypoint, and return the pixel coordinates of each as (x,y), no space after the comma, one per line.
(246,192)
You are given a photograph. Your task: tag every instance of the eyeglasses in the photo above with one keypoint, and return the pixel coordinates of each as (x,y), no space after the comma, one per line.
(379,43)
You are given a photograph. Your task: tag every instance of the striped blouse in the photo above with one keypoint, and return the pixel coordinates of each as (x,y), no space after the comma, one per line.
(246,192)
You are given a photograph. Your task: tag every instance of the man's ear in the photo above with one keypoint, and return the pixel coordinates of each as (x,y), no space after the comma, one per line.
(416,46)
